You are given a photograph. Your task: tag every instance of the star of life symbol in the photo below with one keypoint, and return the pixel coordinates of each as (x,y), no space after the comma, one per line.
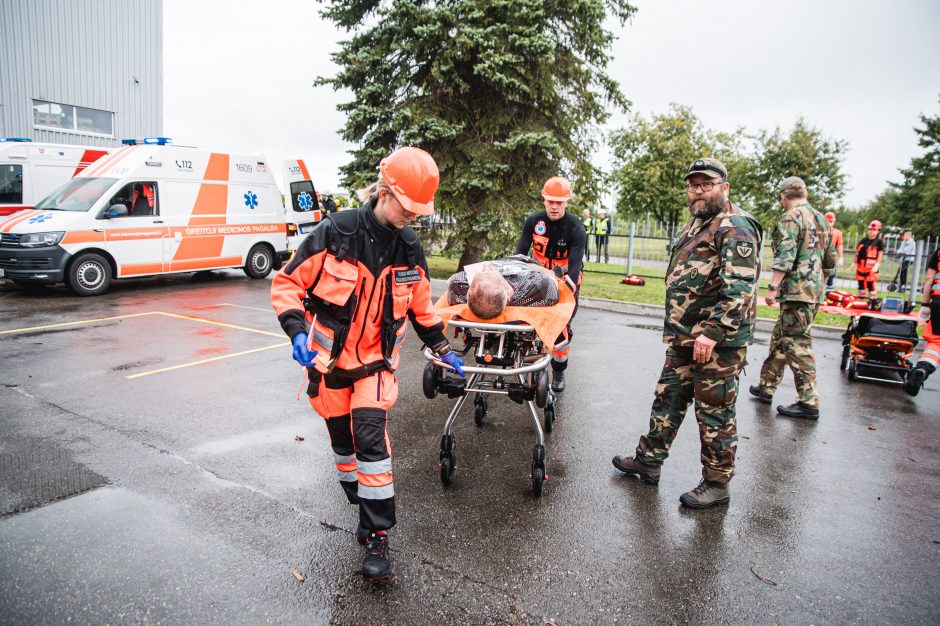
(540,228)
(305,201)
(251,200)
(39,219)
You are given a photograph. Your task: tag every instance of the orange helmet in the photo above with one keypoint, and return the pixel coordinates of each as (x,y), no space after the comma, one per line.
(875,224)
(830,217)
(412,175)
(557,189)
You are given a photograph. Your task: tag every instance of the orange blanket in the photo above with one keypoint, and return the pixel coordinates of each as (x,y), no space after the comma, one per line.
(548,321)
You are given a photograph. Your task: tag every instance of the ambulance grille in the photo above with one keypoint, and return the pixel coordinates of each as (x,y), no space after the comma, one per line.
(10,239)
(26,264)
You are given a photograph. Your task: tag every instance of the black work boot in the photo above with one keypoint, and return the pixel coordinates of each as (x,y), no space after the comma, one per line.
(760,394)
(362,535)
(649,474)
(915,380)
(706,494)
(376,565)
(558,381)
(798,409)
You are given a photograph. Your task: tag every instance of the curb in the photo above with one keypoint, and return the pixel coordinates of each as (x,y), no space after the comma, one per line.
(438,285)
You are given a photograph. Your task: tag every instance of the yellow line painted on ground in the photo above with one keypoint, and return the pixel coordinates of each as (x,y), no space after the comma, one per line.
(204,361)
(60,325)
(205,321)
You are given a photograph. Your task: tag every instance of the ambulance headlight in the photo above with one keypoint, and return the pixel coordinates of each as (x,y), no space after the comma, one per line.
(40,240)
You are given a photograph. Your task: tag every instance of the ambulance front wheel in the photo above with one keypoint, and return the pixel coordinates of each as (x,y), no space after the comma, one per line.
(89,275)
(260,261)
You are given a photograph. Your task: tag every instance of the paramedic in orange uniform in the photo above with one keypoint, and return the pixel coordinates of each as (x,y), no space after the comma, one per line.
(344,299)
(930,315)
(868,256)
(557,239)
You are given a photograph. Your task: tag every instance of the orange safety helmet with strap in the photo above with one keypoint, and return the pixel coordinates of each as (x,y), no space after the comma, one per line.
(413,177)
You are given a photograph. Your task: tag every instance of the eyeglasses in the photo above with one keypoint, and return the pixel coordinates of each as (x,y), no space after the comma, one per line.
(706,186)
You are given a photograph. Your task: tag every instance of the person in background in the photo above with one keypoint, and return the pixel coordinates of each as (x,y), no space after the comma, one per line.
(602,235)
(839,245)
(907,250)
(868,256)
(929,316)
(588,222)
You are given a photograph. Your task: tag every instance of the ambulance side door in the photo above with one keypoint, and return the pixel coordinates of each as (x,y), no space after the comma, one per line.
(135,236)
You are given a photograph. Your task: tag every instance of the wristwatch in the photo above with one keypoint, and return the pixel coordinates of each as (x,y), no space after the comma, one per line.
(772,287)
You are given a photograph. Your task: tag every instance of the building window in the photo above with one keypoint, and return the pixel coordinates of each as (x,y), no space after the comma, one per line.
(72,119)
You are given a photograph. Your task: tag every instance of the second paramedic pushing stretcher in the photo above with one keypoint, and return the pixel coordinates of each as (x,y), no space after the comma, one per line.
(557,240)
(344,299)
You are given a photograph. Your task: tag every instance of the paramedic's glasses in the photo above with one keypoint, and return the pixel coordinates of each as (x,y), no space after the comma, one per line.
(706,186)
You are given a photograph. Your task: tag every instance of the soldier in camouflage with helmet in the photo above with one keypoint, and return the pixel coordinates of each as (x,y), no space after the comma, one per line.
(804,257)
(711,290)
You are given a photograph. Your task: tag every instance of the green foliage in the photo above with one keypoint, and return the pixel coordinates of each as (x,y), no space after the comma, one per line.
(503,93)
(651,158)
(915,202)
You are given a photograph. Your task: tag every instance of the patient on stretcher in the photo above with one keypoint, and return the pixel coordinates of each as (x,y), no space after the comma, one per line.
(489,287)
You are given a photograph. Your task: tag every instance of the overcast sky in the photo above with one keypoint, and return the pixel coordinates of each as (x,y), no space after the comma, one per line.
(239,75)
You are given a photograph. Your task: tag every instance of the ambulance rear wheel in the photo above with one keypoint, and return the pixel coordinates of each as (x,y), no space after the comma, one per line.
(89,275)
(260,261)
(853,371)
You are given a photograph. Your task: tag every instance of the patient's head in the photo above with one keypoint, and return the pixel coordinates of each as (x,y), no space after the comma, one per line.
(489,292)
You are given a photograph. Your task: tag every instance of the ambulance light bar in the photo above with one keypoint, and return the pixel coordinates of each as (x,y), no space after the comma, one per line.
(153,141)
(14,139)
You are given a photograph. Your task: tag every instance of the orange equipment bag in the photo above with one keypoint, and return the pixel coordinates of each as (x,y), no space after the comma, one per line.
(633,279)
(840,298)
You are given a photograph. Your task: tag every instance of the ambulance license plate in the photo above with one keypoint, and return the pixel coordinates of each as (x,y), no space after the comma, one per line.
(306,228)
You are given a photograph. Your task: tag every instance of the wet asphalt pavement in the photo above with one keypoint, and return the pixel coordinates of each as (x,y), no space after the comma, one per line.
(194,501)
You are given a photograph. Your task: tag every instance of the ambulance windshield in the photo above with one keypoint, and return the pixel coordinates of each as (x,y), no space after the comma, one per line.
(79,194)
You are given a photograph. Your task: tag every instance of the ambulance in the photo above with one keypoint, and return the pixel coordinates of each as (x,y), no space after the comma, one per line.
(31,171)
(149,208)
(303,207)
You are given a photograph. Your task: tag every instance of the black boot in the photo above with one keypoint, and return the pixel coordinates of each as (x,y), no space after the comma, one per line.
(761,395)
(376,565)
(798,409)
(558,381)
(915,380)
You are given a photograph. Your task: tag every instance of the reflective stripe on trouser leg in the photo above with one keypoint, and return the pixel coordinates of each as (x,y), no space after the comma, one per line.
(930,357)
(341,440)
(372,397)
(561,350)
(673,395)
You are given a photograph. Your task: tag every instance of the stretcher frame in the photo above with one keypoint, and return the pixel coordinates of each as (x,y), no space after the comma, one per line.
(522,358)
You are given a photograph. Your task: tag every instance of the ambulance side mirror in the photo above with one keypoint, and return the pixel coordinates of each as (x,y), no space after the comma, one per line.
(115,210)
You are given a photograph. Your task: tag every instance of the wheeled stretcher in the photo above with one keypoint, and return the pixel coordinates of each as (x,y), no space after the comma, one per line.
(508,356)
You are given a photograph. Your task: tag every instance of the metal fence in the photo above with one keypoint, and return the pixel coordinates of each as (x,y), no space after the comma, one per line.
(642,248)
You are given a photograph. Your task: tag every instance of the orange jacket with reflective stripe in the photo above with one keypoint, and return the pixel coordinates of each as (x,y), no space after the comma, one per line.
(554,244)
(356,282)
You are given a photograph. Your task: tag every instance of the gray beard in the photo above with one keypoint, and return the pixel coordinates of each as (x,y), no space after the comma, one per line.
(708,209)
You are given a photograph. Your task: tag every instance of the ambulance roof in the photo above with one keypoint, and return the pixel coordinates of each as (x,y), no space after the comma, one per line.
(26,150)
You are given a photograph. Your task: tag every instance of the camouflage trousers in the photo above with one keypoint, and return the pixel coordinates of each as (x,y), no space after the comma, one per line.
(714,387)
(792,344)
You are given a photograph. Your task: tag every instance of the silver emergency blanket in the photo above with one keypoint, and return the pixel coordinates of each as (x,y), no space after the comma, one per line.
(531,285)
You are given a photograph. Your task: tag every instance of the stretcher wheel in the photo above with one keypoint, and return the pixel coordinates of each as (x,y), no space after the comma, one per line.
(448,467)
(541,389)
(845,358)
(480,406)
(538,479)
(853,371)
(550,417)
(429,380)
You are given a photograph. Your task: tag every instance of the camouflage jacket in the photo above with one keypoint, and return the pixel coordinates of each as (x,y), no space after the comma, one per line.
(711,282)
(803,250)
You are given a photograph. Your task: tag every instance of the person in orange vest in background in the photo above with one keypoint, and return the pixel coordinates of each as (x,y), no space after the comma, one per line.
(343,300)
(142,200)
(930,316)
(557,239)
(839,244)
(868,256)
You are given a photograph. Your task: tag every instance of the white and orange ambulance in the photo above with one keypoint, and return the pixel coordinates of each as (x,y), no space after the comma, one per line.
(31,171)
(303,203)
(149,208)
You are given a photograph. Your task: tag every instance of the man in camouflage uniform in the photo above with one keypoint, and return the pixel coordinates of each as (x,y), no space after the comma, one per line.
(804,257)
(711,291)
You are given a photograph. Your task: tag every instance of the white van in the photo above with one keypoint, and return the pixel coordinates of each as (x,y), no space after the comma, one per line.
(31,171)
(149,209)
(303,204)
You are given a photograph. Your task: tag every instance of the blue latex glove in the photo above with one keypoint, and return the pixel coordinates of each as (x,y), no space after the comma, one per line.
(454,361)
(302,354)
